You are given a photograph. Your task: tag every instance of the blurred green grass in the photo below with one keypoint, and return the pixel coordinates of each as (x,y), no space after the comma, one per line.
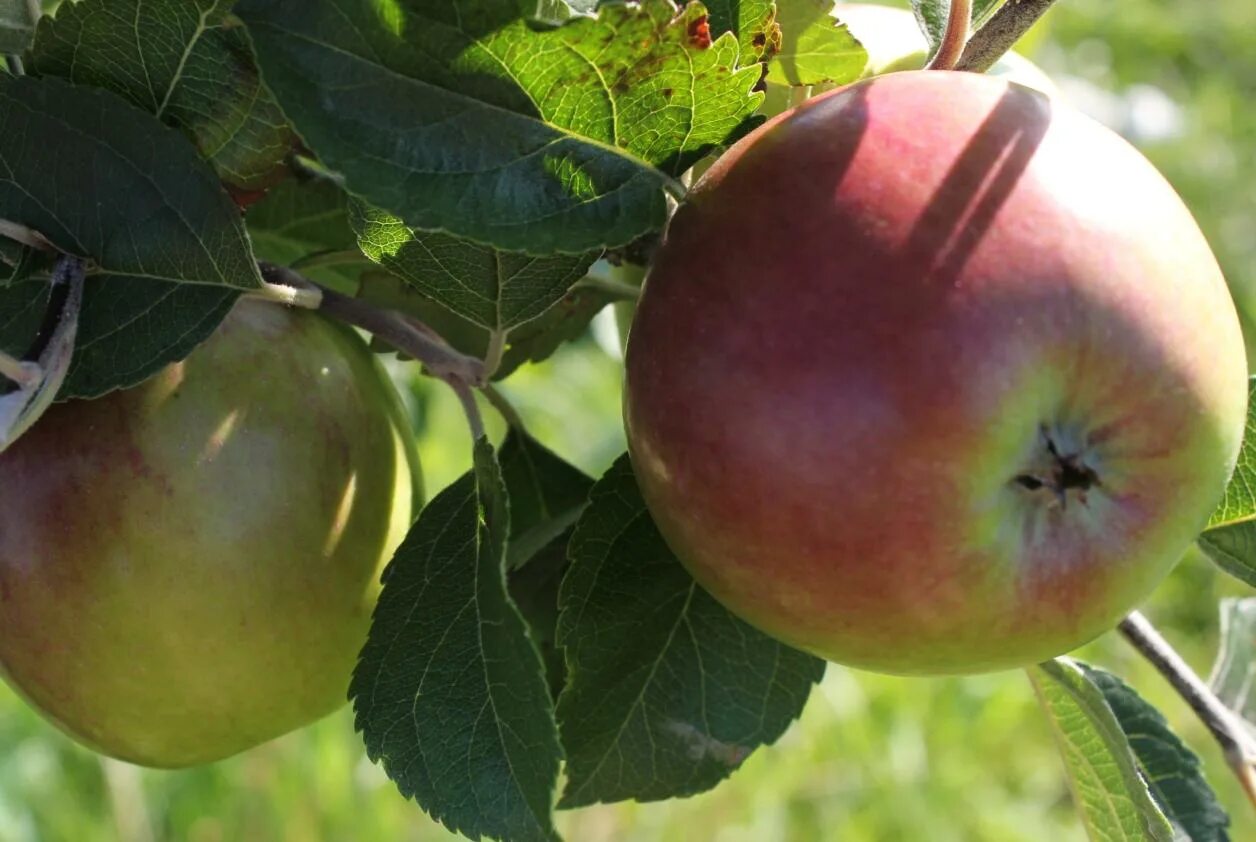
(873,758)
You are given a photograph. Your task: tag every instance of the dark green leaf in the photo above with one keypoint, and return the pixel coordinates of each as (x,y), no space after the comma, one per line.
(497,290)
(16,261)
(815,48)
(449,691)
(129,327)
(668,692)
(1111,796)
(534,588)
(303,220)
(1172,771)
(179,60)
(102,179)
(465,117)
(1230,539)
(546,495)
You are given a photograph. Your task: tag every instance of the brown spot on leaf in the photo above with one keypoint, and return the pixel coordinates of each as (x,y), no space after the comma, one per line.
(699,33)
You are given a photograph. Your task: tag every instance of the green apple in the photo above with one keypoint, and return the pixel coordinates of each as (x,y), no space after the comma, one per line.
(188,567)
(933,375)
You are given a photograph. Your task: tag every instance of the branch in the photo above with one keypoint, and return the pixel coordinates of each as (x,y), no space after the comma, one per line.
(1227,728)
(404,333)
(1009,23)
(958,21)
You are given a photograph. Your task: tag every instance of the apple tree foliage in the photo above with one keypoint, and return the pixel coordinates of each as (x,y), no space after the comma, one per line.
(488,167)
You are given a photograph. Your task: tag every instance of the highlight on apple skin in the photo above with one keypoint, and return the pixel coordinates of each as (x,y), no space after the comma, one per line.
(933,375)
(188,567)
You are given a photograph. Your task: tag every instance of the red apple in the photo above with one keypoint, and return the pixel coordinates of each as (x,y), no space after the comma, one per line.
(188,567)
(933,375)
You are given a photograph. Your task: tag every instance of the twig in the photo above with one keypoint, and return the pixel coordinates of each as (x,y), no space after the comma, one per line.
(1226,727)
(467,398)
(405,333)
(14,63)
(503,406)
(1000,33)
(400,331)
(951,47)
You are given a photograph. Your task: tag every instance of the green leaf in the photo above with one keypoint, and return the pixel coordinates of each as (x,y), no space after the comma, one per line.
(129,327)
(302,220)
(1112,798)
(449,691)
(17,25)
(1233,670)
(1172,772)
(530,342)
(1230,538)
(752,21)
(932,16)
(815,48)
(465,117)
(546,495)
(68,152)
(497,290)
(179,60)
(668,692)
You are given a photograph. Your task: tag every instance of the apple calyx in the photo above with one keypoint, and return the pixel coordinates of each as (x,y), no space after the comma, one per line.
(1058,472)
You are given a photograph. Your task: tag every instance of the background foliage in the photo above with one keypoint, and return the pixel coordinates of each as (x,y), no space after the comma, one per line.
(872,758)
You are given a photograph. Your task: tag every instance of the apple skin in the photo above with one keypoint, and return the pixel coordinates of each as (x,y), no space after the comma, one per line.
(865,330)
(188,567)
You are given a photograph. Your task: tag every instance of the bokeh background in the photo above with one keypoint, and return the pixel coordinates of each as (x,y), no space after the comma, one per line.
(873,758)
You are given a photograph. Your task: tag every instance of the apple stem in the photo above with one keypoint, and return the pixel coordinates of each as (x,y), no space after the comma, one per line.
(799,94)
(1225,725)
(1000,33)
(951,47)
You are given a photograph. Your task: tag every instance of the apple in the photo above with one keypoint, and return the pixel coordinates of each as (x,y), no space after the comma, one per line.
(933,375)
(188,567)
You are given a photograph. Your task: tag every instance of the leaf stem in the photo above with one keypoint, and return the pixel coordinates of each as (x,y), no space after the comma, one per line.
(14,63)
(503,406)
(1000,33)
(1227,729)
(327,258)
(951,47)
(25,373)
(493,353)
(26,236)
(616,289)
